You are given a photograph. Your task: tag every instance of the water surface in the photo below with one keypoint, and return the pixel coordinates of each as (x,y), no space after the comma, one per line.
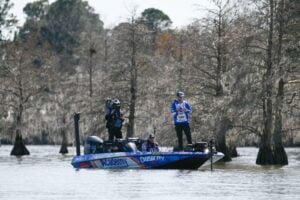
(45,174)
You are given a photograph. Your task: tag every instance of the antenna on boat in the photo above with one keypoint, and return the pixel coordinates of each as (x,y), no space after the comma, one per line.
(77,137)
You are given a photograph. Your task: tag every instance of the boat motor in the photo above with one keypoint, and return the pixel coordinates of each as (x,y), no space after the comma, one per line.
(126,145)
(130,147)
(137,141)
(93,144)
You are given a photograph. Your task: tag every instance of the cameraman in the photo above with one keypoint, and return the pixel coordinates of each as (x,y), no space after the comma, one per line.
(114,119)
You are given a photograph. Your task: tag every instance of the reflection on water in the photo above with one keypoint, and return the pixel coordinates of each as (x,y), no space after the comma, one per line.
(45,174)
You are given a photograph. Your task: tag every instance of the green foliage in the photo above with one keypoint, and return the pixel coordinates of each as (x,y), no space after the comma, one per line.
(156,19)
(61,23)
(36,10)
(66,20)
(6,19)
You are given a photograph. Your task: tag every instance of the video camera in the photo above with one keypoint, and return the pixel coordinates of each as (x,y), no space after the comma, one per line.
(108,104)
(112,104)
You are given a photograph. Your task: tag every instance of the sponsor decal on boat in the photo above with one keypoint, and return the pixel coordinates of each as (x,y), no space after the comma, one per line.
(84,165)
(151,158)
(114,162)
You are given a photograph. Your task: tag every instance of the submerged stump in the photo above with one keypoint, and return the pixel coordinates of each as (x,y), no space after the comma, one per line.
(280,156)
(19,148)
(265,156)
(64,144)
(227,157)
(225,150)
(234,153)
(63,149)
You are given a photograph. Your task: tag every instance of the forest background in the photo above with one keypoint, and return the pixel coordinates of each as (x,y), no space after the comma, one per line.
(238,66)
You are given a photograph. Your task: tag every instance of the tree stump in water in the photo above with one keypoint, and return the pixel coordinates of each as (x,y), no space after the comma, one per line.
(280,156)
(222,147)
(64,149)
(234,153)
(225,151)
(265,156)
(19,148)
(225,124)
(64,144)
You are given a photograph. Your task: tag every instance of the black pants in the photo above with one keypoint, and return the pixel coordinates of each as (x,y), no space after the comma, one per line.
(114,132)
(186,128)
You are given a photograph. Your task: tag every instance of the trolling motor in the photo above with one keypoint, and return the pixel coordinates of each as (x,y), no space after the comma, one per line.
(212,151)
(205,147)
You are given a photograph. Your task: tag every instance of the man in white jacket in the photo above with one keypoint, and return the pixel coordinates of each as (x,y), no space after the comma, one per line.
(150,145)
(181,111)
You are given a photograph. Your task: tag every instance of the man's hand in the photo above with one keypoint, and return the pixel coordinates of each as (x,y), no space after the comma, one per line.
(122,117)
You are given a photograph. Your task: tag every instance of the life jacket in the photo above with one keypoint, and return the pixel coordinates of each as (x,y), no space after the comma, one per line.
(181,117)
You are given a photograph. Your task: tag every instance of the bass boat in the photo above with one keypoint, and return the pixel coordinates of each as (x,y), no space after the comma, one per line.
(127,154)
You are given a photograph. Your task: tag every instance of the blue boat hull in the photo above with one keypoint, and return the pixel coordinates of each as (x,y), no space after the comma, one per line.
(139,160)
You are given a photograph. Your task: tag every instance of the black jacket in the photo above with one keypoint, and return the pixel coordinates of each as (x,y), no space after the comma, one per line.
(114,119)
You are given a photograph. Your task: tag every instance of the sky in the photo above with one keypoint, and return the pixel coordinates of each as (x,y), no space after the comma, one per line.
(112,12)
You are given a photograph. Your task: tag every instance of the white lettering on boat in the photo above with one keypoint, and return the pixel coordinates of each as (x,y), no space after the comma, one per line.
(114,162)
(151,158)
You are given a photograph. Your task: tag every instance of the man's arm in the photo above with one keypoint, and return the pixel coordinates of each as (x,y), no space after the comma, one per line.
(109,115)
(188,108)
(173,108)
(144,147)
(156,147)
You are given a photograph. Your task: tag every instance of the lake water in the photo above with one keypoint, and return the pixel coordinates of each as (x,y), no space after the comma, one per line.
(45,174)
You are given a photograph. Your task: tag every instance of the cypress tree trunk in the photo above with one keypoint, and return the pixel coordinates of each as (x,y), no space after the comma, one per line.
(64,144)
(19,148)
(133,82)
(221,146)
(234,152)
(92,51)
(131,122)
(280,155)
(265,154)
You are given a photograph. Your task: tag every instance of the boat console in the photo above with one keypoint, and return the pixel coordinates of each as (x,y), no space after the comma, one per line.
(94,144)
